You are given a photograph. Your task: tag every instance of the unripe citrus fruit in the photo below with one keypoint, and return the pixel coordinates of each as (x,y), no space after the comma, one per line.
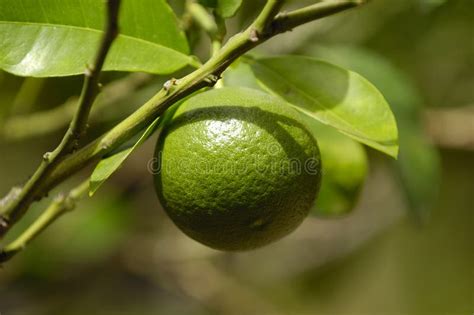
(238,168)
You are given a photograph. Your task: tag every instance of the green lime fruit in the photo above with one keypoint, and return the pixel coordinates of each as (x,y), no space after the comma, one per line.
(238,168)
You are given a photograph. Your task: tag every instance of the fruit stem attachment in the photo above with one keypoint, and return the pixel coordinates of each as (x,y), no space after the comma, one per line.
(60,205)
(15,209)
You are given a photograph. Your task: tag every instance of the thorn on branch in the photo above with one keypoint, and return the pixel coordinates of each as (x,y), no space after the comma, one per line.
(88,72)
(3,222)
(170,83)
(253,35)
(105,146)
(47,156)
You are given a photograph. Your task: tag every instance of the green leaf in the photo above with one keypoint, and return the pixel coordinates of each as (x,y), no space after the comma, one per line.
(240,74)
(56,38)
(110,164)
(418,165)
(396,87)
(345,166)
(228,8)
(334,96)
(224,8)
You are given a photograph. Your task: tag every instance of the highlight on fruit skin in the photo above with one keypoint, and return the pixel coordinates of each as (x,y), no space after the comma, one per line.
(238,169)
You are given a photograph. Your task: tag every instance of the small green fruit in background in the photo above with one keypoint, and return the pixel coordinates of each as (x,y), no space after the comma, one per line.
(238,168)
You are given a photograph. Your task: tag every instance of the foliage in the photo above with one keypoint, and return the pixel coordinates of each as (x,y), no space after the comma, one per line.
(418,165)
(46,38)
(342,108)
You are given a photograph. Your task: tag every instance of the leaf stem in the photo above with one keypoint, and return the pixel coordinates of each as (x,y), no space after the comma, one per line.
(61,204)
(15,209)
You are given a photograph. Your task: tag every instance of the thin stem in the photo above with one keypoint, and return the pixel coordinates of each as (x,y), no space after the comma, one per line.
(287,21)
(61,205)
(15,210)
(271,8)
(206,75)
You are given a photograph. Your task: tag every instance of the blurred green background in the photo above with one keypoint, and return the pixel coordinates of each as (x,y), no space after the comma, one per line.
(405,249)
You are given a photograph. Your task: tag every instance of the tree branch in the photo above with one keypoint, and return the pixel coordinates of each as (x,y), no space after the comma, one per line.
(15,209)
(207,75)
(271,8)
(61,205)
(287,21)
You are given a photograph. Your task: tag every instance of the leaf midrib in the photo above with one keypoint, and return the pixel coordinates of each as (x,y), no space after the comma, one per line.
(88,29)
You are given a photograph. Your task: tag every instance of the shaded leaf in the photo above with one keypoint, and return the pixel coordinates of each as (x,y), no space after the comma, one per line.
(419,168)
(345,166)
(240,74)
(224,8)
(418,165)
(56,38)
(107,166)
(228,8)
(209,3)
(334,96)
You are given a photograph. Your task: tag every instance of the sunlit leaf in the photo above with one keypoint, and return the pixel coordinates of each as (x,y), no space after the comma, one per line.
(209,3)
(334,96)
(56,38)
(418,163)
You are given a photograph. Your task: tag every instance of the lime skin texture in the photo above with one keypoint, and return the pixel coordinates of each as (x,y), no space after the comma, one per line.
(238,168)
